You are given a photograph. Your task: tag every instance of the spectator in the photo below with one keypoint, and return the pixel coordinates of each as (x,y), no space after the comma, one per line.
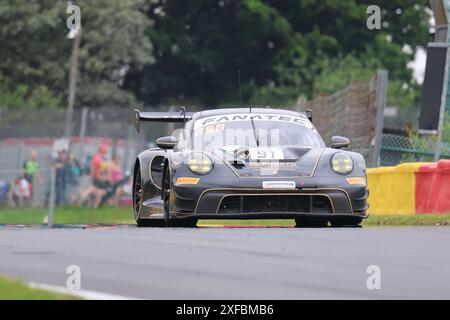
(97,162)
(87,165)
(62,173)
(72,171)
(95,193)
(31,167)
(19,193)
(117,180)
(4,192)
(116,170)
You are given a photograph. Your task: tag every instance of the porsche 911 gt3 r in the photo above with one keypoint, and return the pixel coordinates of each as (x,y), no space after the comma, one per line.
(247,163)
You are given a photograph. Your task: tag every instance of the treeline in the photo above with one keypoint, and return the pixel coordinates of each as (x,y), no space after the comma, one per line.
(160,52)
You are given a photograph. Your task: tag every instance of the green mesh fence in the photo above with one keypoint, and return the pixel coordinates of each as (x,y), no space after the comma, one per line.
(396,149)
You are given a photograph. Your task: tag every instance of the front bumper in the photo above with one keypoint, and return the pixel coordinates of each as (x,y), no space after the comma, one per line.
(206,197)
(255,203)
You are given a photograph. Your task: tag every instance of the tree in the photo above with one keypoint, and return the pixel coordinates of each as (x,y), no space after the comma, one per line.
(35,52)
(281,47)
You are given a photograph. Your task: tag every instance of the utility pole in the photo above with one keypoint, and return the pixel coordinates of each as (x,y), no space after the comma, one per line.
(441,13)
(73,75)
(437,153)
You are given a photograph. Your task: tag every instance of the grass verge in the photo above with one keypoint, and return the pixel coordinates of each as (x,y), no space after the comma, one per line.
(15,289)
(371,221)
(70,215)
(125,216)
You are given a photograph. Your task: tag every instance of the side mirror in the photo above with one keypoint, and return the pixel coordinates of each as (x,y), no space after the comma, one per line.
(338,142)
(168,142)
(308,114)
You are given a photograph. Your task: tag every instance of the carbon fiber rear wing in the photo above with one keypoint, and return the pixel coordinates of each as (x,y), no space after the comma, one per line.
(181,116)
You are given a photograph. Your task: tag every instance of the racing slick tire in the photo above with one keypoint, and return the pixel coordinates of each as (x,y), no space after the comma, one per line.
(311,222)
(137,202)
(171,222)
(346,222)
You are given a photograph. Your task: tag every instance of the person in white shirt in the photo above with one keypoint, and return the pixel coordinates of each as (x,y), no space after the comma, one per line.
(20,192)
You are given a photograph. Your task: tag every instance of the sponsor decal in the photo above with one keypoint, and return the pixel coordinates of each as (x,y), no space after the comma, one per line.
(211,129)
(300,119)
(356,180)
(278,184)
(280,165)
(187,180)
(266,154)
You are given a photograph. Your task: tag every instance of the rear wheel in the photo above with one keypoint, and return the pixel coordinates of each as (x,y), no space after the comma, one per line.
(311,222)
(170,222)
(346,222)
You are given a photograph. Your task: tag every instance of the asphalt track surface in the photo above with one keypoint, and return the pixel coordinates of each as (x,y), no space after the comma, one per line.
(235,263)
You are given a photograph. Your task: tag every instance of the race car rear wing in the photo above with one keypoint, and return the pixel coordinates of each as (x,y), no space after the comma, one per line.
(181,116)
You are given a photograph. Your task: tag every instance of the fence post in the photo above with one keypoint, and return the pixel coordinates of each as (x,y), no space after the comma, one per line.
(84,113)
(51,201)
(21,156)
(380,102)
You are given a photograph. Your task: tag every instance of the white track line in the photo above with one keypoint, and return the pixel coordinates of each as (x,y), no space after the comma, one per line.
(84,294)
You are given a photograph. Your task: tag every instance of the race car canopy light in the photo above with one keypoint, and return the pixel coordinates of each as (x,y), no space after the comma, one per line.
(199,163)
(341,163)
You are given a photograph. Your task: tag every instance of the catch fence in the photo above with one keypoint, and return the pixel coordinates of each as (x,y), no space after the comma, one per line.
(355,112)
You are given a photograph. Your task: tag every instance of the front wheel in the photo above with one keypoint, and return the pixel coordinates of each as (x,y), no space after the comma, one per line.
(170,222)
(137,193)
(137,202)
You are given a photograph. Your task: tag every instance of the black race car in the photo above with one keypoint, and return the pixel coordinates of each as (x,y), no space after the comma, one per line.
(249,163)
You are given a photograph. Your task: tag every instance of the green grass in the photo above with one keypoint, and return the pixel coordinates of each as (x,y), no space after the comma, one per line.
(372,221)
(68,215)
(15,289)
(125,216)
(408,220)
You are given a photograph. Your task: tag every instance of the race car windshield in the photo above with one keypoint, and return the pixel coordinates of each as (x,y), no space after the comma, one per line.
(270,133)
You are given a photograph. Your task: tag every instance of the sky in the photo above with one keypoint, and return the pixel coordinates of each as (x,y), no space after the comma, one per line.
(418,65)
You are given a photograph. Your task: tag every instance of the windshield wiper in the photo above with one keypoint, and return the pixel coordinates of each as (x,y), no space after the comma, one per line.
(254,128)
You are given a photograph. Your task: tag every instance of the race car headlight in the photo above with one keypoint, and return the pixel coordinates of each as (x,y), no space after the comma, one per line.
(341,163)
(199,163)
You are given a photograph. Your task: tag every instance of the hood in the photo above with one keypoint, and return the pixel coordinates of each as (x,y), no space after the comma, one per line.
(270,161)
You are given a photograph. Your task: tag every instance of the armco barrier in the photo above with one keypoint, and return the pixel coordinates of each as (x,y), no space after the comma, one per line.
(433,188)
(392,190)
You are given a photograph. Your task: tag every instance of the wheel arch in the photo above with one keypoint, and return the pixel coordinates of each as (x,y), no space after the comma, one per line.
(143,162)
